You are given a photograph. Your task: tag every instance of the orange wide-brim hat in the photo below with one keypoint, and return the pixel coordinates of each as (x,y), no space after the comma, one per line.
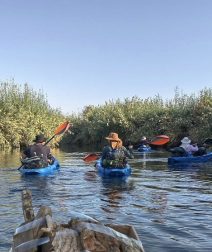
(113,137)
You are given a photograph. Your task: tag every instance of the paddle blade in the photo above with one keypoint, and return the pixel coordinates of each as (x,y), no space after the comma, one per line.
(160,140)
(162,136)
(91,157)
(62,128)
(208,141)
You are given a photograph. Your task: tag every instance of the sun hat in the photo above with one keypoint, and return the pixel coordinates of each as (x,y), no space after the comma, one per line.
(39,138)
(186,140)
(113,137)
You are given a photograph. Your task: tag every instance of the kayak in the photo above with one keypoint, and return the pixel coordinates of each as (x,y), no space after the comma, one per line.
(144,148)
(42,171)
(111,171)
(191,159)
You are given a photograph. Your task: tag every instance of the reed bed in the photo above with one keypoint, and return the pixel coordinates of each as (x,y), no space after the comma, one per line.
(25,113)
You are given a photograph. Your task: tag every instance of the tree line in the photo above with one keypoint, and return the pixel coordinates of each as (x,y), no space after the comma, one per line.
(183,115)
(25,112)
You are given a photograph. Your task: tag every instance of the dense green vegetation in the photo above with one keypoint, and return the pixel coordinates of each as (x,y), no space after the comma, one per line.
(184,115)
(25,113)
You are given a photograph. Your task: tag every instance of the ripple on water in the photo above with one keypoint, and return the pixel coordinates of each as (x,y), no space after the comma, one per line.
(170,209)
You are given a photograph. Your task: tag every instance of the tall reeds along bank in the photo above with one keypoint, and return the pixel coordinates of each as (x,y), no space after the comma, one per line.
(23,114)
(135,117)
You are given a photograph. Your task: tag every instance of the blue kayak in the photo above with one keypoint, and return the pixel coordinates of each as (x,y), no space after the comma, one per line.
(42,171)
(111,171)
(144,148)
(191,159)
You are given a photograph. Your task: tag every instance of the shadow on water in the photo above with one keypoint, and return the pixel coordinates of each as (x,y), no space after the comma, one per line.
(38,184)
(121,184)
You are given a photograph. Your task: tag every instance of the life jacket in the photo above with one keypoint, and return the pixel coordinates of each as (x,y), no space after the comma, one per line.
(115,158)
(37,155)
(33,162)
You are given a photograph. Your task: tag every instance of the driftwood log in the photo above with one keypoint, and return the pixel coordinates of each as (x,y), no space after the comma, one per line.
(82,233)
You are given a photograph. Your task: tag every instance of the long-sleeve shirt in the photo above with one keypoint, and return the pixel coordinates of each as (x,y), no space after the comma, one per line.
(189,148)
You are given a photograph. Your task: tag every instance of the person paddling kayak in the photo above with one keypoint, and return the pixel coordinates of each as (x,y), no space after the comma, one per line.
(188,149)
(115,154)
(38,149)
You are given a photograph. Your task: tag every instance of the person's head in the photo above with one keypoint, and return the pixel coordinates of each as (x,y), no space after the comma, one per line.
(185,140)
(39,138)
(119,144)
(143,138)
(114,140)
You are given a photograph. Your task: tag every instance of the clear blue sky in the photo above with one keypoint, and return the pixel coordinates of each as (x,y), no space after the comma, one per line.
(84,52)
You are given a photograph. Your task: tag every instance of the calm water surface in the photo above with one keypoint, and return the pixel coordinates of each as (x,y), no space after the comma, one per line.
(170,207)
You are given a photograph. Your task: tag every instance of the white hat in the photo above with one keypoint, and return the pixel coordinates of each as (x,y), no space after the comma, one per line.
(186,140)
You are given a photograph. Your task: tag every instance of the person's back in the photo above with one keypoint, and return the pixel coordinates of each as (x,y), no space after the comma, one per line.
(188,147)
(38,149)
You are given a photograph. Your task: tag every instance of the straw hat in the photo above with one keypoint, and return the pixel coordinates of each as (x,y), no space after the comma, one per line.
(185,140)
(113,137)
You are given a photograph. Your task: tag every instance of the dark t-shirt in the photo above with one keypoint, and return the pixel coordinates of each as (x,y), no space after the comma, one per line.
(39,150)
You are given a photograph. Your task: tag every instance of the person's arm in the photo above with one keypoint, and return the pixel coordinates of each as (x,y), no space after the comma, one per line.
(130,149)
(25,153)
(127,153)
(106,150)
(193,147)
(49,156)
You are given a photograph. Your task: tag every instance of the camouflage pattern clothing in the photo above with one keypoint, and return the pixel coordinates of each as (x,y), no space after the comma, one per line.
(115,157)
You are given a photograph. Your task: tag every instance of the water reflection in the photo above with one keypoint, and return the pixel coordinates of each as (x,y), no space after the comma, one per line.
(113,192)
(91,176)
(170,207)
(196,170)
(158,202)
(9,159)
(120,184)
(38,183)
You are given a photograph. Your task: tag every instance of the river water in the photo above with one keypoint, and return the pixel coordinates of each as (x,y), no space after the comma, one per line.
(170,207)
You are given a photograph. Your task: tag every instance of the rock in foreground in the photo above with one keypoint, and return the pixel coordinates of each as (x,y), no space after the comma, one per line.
(81,234)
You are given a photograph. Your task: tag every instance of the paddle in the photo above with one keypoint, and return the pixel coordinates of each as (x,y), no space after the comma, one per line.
(208,141)
(91,157)
(62,128)
(160,140)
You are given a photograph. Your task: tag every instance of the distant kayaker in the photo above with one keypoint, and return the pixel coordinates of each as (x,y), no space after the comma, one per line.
(189,148)
(115,154)
(38,149)
(143,142)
